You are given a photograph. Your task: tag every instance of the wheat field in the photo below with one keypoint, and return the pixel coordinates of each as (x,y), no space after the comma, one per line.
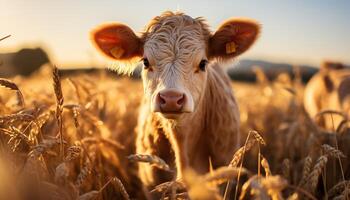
(72,137)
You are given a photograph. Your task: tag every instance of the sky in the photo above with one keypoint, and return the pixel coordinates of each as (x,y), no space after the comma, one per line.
(297,32)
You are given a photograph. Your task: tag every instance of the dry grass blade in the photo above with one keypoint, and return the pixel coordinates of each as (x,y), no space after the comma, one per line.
(151,159)
(120,187)
(3,38)
(223,174)
(331,151)
(12,86)
(19,134)
(16,137)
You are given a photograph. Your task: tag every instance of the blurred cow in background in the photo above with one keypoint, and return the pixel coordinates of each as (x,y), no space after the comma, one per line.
(329,90)
(24,62)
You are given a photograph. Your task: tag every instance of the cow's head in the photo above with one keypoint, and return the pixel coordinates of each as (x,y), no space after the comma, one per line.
(176,50)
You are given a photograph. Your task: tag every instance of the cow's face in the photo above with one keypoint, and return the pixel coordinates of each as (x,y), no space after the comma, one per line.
(175,50)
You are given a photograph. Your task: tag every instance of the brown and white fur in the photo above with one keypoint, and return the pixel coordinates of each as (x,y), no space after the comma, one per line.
(329,89)
(202,122)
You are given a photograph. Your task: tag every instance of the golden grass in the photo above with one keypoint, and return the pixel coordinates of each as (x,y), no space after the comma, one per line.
(75,140)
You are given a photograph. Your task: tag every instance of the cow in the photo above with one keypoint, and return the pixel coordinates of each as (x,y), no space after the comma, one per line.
(188,114)
(23,62)
(329,90)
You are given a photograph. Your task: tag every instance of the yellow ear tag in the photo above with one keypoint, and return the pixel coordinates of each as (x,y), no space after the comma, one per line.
(230,47)
(117,52)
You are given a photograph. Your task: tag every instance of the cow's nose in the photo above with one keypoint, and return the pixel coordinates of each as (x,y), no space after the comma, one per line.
(171,100)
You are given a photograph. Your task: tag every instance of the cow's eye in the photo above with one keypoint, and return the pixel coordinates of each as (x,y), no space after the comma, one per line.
(145,63)
(203,65)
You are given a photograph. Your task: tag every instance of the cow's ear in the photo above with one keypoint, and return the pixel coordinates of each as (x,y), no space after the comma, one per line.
(232,38)
(117,42)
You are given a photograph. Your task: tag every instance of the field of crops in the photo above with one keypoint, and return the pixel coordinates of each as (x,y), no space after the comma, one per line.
(71,138)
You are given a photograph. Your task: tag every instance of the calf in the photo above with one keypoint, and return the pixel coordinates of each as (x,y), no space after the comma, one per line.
(329,89)
(188,114)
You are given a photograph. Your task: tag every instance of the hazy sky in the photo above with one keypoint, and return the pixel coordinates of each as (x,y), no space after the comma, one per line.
(293,31)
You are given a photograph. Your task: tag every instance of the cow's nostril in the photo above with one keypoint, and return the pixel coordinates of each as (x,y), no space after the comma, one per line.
(161,99)
(181,100)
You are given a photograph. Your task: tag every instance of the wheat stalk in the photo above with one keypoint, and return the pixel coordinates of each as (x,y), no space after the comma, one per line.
(151,159)
(223,174)
(44,146)
(173,186)
(331,151)
(12,86)
(274,186)
(316,172)
(62,173)
(286,168)
(240,152)
(339,188)
(178,196)
(83,174)
(59,103)
(254,184)
(92,195)
(306,170)
(73,152)
(11,118)
(120,187)
(258,137)
(266,166)
(87,169)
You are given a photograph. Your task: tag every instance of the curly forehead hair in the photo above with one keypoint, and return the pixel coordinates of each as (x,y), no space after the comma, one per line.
(169,20)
